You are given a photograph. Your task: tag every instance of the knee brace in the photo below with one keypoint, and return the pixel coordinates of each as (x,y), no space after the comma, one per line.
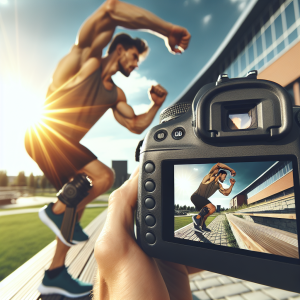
(73,192)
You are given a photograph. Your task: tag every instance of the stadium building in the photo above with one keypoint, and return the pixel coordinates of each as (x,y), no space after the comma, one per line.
(265,38)
(276,182)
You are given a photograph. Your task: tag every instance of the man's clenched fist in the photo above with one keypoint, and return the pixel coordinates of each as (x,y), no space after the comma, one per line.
(232,181)
(157,94)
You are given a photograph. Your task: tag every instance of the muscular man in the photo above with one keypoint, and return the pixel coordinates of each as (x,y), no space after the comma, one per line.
(209,185)
(81,91)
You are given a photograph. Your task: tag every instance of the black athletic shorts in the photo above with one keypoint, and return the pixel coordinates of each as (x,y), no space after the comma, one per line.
(57,156)
(199,201)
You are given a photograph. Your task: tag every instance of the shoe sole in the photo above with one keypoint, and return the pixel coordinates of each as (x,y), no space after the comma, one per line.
(198,230)
(48,222)
(47,290)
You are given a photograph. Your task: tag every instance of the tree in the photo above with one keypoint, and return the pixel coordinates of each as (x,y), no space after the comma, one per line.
(184,207)
(21,179)
(3,178)
(43,182)
(31,181)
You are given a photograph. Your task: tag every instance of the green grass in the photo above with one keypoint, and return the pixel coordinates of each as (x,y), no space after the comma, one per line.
(22,236)
(180,222)
(230,237)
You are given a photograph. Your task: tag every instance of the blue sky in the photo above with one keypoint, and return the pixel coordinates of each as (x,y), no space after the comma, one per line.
(189,177)
(35,35)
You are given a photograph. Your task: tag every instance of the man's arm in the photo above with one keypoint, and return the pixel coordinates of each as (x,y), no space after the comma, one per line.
(125,115)
(226,192)
(97,31)
(219,166)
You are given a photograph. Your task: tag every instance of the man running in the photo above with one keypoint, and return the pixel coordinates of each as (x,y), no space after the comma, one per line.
(81,91)
(209,185)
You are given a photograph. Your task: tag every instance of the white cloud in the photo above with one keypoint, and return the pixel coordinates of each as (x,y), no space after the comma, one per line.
(135,83)
(241,4)
(206,19)
(3,2)
(187,2)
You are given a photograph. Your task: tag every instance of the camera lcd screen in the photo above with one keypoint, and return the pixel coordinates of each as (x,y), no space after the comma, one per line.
(243,205)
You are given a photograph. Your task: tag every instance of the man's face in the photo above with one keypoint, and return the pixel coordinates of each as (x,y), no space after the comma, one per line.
(222,177)
(128,61)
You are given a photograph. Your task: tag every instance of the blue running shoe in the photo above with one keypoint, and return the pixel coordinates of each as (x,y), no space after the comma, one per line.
(54,222)
(79,235)
(204,228)
(64,284)
(195,220)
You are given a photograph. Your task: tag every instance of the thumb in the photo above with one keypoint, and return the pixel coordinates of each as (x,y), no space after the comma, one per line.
(122,204)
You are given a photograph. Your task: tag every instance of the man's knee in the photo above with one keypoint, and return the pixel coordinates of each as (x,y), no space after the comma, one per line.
(104,179)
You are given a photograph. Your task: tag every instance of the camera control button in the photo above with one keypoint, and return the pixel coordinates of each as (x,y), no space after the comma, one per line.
(160,135)
(149,186)
(150,220)
(150,238)
(149,203)
(178,133)
(149,167)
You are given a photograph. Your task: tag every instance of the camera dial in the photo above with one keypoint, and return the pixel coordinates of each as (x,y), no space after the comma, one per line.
(174,111)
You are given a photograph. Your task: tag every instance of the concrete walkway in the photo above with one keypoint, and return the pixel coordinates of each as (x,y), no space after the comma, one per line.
(209,286)
(215,235)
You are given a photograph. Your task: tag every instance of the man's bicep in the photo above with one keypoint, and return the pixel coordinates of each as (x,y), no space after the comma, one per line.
(206,178)
(97,31)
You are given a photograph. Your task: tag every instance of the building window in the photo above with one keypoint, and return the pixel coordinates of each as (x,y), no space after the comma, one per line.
(251,54)
(268,36)
(278,27)
(243,62)
(260,64)
(290,15)
(259,48)
(292,36)
(270,55)
(280,47)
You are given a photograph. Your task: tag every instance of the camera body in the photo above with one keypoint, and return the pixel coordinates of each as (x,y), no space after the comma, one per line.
(244,125)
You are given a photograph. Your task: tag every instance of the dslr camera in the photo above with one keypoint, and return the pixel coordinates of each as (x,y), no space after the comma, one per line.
(218,183)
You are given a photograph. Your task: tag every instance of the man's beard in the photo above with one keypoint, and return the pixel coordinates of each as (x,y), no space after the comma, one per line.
(122,70)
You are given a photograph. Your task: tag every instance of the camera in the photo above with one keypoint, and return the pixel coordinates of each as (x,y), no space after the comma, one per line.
(219,183)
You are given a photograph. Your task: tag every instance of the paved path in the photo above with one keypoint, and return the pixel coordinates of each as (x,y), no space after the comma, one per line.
(207,285)
(216,235)
(35,210)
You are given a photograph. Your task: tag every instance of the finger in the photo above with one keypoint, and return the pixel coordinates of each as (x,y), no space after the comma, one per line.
(135,172)
(122,203)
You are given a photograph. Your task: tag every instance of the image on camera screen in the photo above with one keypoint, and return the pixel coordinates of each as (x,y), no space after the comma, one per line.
(245,205)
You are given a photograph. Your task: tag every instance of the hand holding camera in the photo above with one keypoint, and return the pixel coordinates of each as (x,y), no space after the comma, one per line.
(241,125)
(122,255)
